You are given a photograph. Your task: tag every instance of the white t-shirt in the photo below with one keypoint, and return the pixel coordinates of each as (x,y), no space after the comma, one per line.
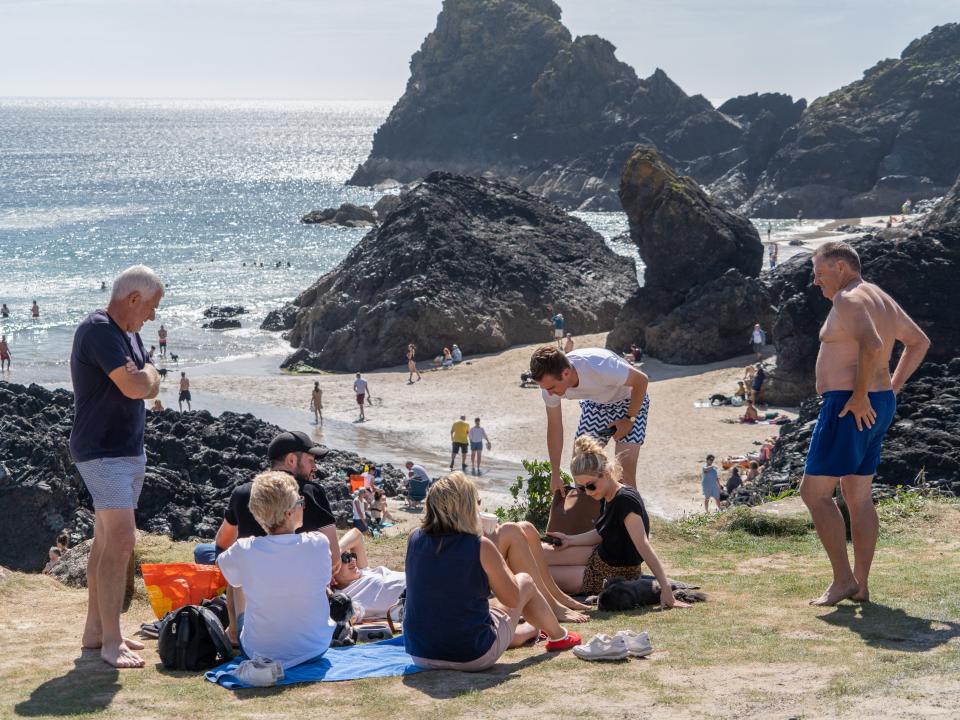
(602,376)
(377,590)
(477,434)
(284,580)
(359,511)
(360,386)
(758,338)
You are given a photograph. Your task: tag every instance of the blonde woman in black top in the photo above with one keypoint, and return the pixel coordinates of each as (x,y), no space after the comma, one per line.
(618,544)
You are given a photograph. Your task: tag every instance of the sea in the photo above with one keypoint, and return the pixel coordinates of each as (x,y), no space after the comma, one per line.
(209,193)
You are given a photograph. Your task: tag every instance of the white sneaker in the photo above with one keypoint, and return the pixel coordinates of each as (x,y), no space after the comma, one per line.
(638,644)
(602,647)
(259,672)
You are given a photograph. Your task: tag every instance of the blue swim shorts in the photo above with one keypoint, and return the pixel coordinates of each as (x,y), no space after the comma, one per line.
(837,448)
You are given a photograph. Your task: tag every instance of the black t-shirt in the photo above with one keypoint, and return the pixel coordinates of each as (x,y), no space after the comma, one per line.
(758,379)
(616,546)
(316,510)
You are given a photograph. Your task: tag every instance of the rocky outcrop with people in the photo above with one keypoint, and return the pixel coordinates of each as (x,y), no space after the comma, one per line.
(700,297)
(461,260)
(347,215)
(194,460)
(920,449)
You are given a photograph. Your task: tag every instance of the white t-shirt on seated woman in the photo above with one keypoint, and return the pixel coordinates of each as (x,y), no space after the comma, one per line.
(376,590)
(284,580)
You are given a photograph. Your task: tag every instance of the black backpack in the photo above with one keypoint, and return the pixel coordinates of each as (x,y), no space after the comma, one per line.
(192,638)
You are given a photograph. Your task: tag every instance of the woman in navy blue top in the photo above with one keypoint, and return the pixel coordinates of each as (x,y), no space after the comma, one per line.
(449,622)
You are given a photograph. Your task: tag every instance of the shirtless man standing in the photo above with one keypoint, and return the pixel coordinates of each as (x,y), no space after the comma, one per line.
(316,404)
(859,402)
(184,396)
(4,354)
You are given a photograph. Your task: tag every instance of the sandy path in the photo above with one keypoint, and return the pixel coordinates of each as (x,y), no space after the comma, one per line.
(414,420)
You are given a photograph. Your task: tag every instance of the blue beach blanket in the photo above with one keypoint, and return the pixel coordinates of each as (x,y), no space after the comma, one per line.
(382,659)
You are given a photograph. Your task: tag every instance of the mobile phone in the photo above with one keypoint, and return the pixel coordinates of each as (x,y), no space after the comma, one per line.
(606,433)
(550,540)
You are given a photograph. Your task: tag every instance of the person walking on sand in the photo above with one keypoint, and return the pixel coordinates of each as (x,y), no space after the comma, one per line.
(4,311)
(412,363)
(568,344)
(459,437)
(35,310)
(613,402)
(184,396)
(316,404)
(361,390)
(111,379)
(162,337)
(758,338)
(558,328)
(710,484)
(4,354)
(477,437)
(859,401)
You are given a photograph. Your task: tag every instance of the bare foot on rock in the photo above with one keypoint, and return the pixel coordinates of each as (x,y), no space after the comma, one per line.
(120,656)
(835,593)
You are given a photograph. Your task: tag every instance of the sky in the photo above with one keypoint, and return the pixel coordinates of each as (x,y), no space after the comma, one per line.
(360,49)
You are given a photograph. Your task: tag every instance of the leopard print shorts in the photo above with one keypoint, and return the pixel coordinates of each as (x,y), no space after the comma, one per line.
(597,571)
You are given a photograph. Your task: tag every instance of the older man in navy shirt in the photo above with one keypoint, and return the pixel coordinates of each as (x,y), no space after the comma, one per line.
(112,376)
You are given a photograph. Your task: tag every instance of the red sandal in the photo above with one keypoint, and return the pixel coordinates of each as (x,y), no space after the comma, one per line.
(571,639)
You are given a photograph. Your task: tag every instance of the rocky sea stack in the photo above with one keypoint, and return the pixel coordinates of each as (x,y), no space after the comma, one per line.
(700,297)
(460,260)
(194,460)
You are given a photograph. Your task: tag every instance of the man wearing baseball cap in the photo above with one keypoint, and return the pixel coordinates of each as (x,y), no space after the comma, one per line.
(294,453)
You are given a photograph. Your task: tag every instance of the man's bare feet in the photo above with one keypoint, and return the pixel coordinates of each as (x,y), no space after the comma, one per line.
(97,644)
(567,615)
(835,594)
(120,656)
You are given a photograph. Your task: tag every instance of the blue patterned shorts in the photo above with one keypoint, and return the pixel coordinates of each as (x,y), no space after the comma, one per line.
(114,483)
(595,417)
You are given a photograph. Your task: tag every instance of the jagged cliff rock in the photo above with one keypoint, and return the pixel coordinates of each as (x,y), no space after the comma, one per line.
(865,148)
(461,260)
(699,257)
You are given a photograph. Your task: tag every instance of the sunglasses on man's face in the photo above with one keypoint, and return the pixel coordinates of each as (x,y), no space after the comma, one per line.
(345,557)
(589,487)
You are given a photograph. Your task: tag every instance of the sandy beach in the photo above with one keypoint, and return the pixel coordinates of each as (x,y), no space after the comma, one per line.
(414,420)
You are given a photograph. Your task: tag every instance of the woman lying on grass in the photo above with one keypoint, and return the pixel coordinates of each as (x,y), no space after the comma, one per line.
(618,544)
(448,622)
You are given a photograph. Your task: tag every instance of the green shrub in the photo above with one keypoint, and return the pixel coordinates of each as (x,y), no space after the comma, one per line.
(531,495)
(764,524)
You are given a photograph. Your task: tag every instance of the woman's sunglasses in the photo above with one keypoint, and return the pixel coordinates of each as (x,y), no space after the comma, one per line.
(589,487)
(298,504)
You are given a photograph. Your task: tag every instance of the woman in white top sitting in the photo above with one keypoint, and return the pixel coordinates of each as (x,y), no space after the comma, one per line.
(282,609)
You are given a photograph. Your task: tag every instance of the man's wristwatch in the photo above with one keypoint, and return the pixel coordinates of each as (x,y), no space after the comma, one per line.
(632,419)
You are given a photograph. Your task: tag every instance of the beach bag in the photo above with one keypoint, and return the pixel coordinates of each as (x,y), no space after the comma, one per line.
(170,586)
(395,614)
(572,512)
(192,638)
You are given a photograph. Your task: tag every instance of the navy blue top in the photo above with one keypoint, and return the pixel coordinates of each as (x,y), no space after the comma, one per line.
(106,423)
(446,615)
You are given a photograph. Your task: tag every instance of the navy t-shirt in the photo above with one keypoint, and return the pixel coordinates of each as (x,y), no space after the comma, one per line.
(446,615)
(106,423)
(316,510)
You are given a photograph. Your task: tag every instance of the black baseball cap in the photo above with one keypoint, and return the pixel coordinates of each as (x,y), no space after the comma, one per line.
(296,441)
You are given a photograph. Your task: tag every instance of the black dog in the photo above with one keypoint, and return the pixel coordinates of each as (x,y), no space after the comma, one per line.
(619,594)
(162,372)
(175,358)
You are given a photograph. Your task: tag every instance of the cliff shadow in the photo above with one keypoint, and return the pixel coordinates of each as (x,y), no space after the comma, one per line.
(891,628)
(88,687)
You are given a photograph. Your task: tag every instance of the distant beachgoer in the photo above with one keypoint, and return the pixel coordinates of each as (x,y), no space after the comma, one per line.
(53,557)
(748,373)
(907,207)
(162,337)
(800,216)
(150,352)
(710,484)
(558,323)
(35,310)
(635,354)
(103,286)
(412,363)
(753,472)
(758,338)
(741,391)
(4,354)
(859,402)
(734,481)
(184,396)
(459,437)
(378,510)
(417,471)
(111,379)
(769,228)
(477,437)
(316,404)
(750,414)
(358,506)
(4,311)
(757,383)
(361,390)
(456,355)
(568,344)
(157,406)
(775,256)
(613,402)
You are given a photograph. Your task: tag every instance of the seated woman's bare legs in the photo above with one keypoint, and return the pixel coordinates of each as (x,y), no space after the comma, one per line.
(511,541)
(543,569)
(537,613)
(569,577)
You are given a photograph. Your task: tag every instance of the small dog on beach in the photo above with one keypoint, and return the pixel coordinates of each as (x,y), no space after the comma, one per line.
(162,372)
(619,594)
(175,358)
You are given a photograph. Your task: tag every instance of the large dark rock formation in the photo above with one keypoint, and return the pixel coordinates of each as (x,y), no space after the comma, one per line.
(476,262)
(700,297)
(194,461)
(501,87)
(920,449)
(863,149)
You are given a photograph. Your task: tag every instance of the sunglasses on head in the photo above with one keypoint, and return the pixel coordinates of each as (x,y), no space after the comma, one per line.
(589,487)
(345,557)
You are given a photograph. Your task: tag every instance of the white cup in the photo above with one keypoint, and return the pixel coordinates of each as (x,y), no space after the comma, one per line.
(488,522)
